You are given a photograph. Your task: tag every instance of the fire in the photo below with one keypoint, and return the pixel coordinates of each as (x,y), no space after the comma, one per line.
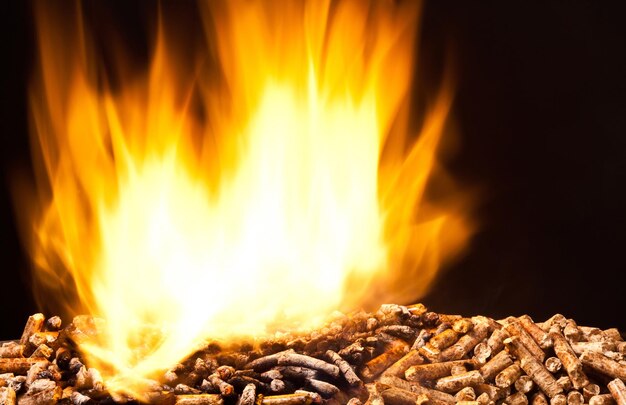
(231,198)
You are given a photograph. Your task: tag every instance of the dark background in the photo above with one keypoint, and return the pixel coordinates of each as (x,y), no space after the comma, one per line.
(540,104)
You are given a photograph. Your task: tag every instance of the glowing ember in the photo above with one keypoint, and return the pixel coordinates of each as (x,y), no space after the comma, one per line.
(183,206)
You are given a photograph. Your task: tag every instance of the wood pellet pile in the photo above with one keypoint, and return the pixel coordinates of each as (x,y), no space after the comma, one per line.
(397,355)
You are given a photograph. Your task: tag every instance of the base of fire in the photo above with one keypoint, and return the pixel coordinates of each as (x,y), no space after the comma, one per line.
(397,355)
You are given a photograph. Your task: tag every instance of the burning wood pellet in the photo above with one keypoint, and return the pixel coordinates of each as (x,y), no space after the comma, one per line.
(41,392)
(327,390)
(298,373)
(345,368)
(34,371)
(290,358)
(53,323)
(377,365)
(42,351)
(248,395)
(199,399)
(406,355)
(34,324)
(225,388)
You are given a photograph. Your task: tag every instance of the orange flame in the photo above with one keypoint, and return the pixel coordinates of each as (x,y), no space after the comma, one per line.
(224,199)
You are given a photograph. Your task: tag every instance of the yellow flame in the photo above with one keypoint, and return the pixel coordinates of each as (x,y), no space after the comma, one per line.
(223,199)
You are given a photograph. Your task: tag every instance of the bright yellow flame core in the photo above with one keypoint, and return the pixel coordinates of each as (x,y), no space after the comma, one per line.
(300,192)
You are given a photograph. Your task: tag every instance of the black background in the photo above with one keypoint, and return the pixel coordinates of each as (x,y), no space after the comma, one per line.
(540,104)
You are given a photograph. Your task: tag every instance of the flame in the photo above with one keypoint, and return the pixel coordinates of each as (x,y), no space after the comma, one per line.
(273,180)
